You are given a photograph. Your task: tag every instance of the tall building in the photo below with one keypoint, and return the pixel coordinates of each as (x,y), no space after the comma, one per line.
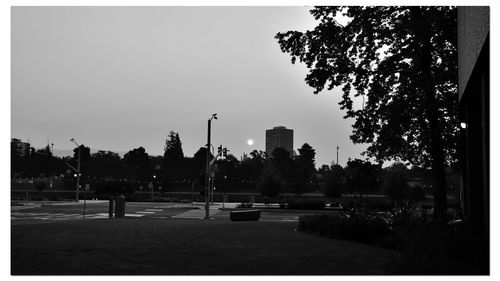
(279,137)
(22,148)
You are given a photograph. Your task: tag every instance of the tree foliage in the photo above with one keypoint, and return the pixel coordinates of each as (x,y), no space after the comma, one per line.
(139,159)
(362,176)
(173,148)
(283,164)
(334,181)
(397,67)
(397,188)
(173,158)
(306,162)
(270,184)
(84,154)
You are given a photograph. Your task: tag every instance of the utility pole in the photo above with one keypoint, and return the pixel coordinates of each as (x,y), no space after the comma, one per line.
(78,170)
(78,175)
(337,154)
(208,170)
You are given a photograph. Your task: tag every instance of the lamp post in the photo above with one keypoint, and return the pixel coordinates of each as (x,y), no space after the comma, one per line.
(207,176)
(78,170)
(152,188)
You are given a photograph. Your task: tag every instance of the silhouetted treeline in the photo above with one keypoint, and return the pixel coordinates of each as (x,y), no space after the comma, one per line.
(270,175)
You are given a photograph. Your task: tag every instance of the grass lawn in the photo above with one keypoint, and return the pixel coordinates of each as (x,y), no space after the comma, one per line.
(133,246)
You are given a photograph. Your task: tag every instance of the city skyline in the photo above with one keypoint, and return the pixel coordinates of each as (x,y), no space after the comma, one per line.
(116,78)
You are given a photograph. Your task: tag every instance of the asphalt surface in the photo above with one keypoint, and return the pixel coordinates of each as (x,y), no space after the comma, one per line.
(61,211)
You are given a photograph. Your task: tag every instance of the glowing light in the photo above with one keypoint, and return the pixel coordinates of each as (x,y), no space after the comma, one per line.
(250,142)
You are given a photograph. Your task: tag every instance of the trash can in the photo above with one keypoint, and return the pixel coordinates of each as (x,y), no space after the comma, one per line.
(120,206)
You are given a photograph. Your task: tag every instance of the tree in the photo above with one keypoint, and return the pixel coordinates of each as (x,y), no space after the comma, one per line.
(84,154)
(402,63)
(334,182)
(108,164)
(362,176)
(306,163)
(139,159)
(251,168)
(199,166)
(283,164)
(16,161)
(397,188)
(173,158)
(270,184)
(173,148)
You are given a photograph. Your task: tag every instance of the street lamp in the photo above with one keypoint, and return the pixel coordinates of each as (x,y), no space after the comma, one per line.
(152,188)
(207,176)
(78,170)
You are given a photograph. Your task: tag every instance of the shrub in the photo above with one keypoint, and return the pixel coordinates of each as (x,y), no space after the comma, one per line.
(417,194)
(114,188)
(244,205)
(299,204)
(360,229)
(297,188)
(40,185)
(440,249)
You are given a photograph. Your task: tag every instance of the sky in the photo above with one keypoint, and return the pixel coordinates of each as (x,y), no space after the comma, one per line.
(117,78)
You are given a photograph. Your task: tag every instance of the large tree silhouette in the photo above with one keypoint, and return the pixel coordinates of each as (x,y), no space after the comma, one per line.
(174,158)
(400,65)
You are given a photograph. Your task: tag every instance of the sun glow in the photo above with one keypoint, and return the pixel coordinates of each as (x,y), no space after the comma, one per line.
(250,142)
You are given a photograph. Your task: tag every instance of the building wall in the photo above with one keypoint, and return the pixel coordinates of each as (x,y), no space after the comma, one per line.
(279,137)
(474,95)
(473,28)
(22,148)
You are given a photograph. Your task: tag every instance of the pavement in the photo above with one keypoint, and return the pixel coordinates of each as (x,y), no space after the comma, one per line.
(98,209)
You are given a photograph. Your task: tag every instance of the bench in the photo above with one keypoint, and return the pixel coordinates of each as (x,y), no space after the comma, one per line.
(246,215)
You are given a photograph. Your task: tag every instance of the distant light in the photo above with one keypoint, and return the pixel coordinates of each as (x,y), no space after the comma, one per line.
(250,142)
(463,125)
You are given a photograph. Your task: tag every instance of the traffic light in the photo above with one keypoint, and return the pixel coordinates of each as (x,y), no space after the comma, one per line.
(224,152)
(219,150)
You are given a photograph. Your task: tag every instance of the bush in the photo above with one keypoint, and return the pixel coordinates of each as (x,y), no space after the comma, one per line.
(417,194)
(114,188)
(297,188)
(244,205)
(360,229)
(306,205)
(40,185)
(440,249)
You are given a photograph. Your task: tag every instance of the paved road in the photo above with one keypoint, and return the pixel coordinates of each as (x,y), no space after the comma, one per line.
(61,211)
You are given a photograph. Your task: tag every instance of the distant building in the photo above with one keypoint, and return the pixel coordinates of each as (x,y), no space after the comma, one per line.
(22,148)
(279,137)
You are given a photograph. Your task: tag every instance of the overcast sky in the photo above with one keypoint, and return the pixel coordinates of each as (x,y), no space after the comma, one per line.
(116,78)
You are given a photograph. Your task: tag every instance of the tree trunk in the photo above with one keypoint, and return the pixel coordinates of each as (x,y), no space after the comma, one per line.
(423,34)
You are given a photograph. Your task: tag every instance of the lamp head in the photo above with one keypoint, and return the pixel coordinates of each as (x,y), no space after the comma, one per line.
(72,139)
(214,116)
